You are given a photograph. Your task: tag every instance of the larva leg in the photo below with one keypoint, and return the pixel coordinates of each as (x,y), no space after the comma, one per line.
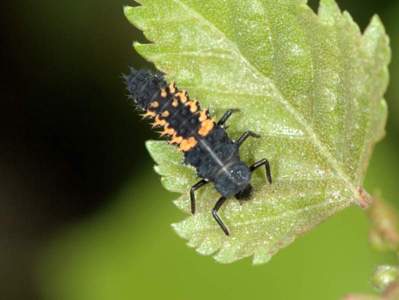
(262,162)
(195,187)
(216,216)
(226,116)
(246,135)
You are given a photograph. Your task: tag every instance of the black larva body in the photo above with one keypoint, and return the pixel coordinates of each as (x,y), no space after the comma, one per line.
(205,144)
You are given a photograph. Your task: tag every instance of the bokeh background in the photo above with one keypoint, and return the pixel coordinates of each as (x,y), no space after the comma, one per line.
(82,214)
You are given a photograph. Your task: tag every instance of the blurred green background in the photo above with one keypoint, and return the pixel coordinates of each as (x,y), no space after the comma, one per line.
(82,214)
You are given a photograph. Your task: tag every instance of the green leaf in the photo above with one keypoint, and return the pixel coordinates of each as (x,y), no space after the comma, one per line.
(311,84)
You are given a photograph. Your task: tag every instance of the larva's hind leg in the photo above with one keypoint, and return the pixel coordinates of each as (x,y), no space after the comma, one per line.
(195,187)
(216,216)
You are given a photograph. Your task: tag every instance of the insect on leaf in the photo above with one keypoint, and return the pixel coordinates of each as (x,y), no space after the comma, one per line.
(310,84)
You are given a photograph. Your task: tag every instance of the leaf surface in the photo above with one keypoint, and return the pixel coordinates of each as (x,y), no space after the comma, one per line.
(311,84)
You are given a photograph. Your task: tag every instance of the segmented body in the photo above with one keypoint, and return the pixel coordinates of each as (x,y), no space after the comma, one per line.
(205,144)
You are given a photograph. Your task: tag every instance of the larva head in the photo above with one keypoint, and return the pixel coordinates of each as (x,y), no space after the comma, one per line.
(144,86)
(234,180)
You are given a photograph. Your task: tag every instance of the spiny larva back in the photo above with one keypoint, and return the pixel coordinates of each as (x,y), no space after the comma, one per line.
(180,117)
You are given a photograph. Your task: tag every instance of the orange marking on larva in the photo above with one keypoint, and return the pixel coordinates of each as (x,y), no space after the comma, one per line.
(206,127)
(176,140)
(154,104)
(172,87)
(188,144)
(165,114)
(149,114)
(203,115)
(193,105)
(168,131)
(158,122)
(182,96)
(163,93)
(175,103)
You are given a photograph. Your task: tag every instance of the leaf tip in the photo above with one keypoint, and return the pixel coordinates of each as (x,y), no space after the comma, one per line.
(140,47)
(375,27)
(151,144)
(154,148)
(377,41)
(260,259)
(182,204)
(127,10)
(179,229)
(376,21)
(329,10)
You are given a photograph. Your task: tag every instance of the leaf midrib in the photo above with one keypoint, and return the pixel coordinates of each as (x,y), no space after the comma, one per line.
(313,136)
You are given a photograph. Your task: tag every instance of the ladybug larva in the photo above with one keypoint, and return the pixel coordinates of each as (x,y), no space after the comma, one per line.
(204,142)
